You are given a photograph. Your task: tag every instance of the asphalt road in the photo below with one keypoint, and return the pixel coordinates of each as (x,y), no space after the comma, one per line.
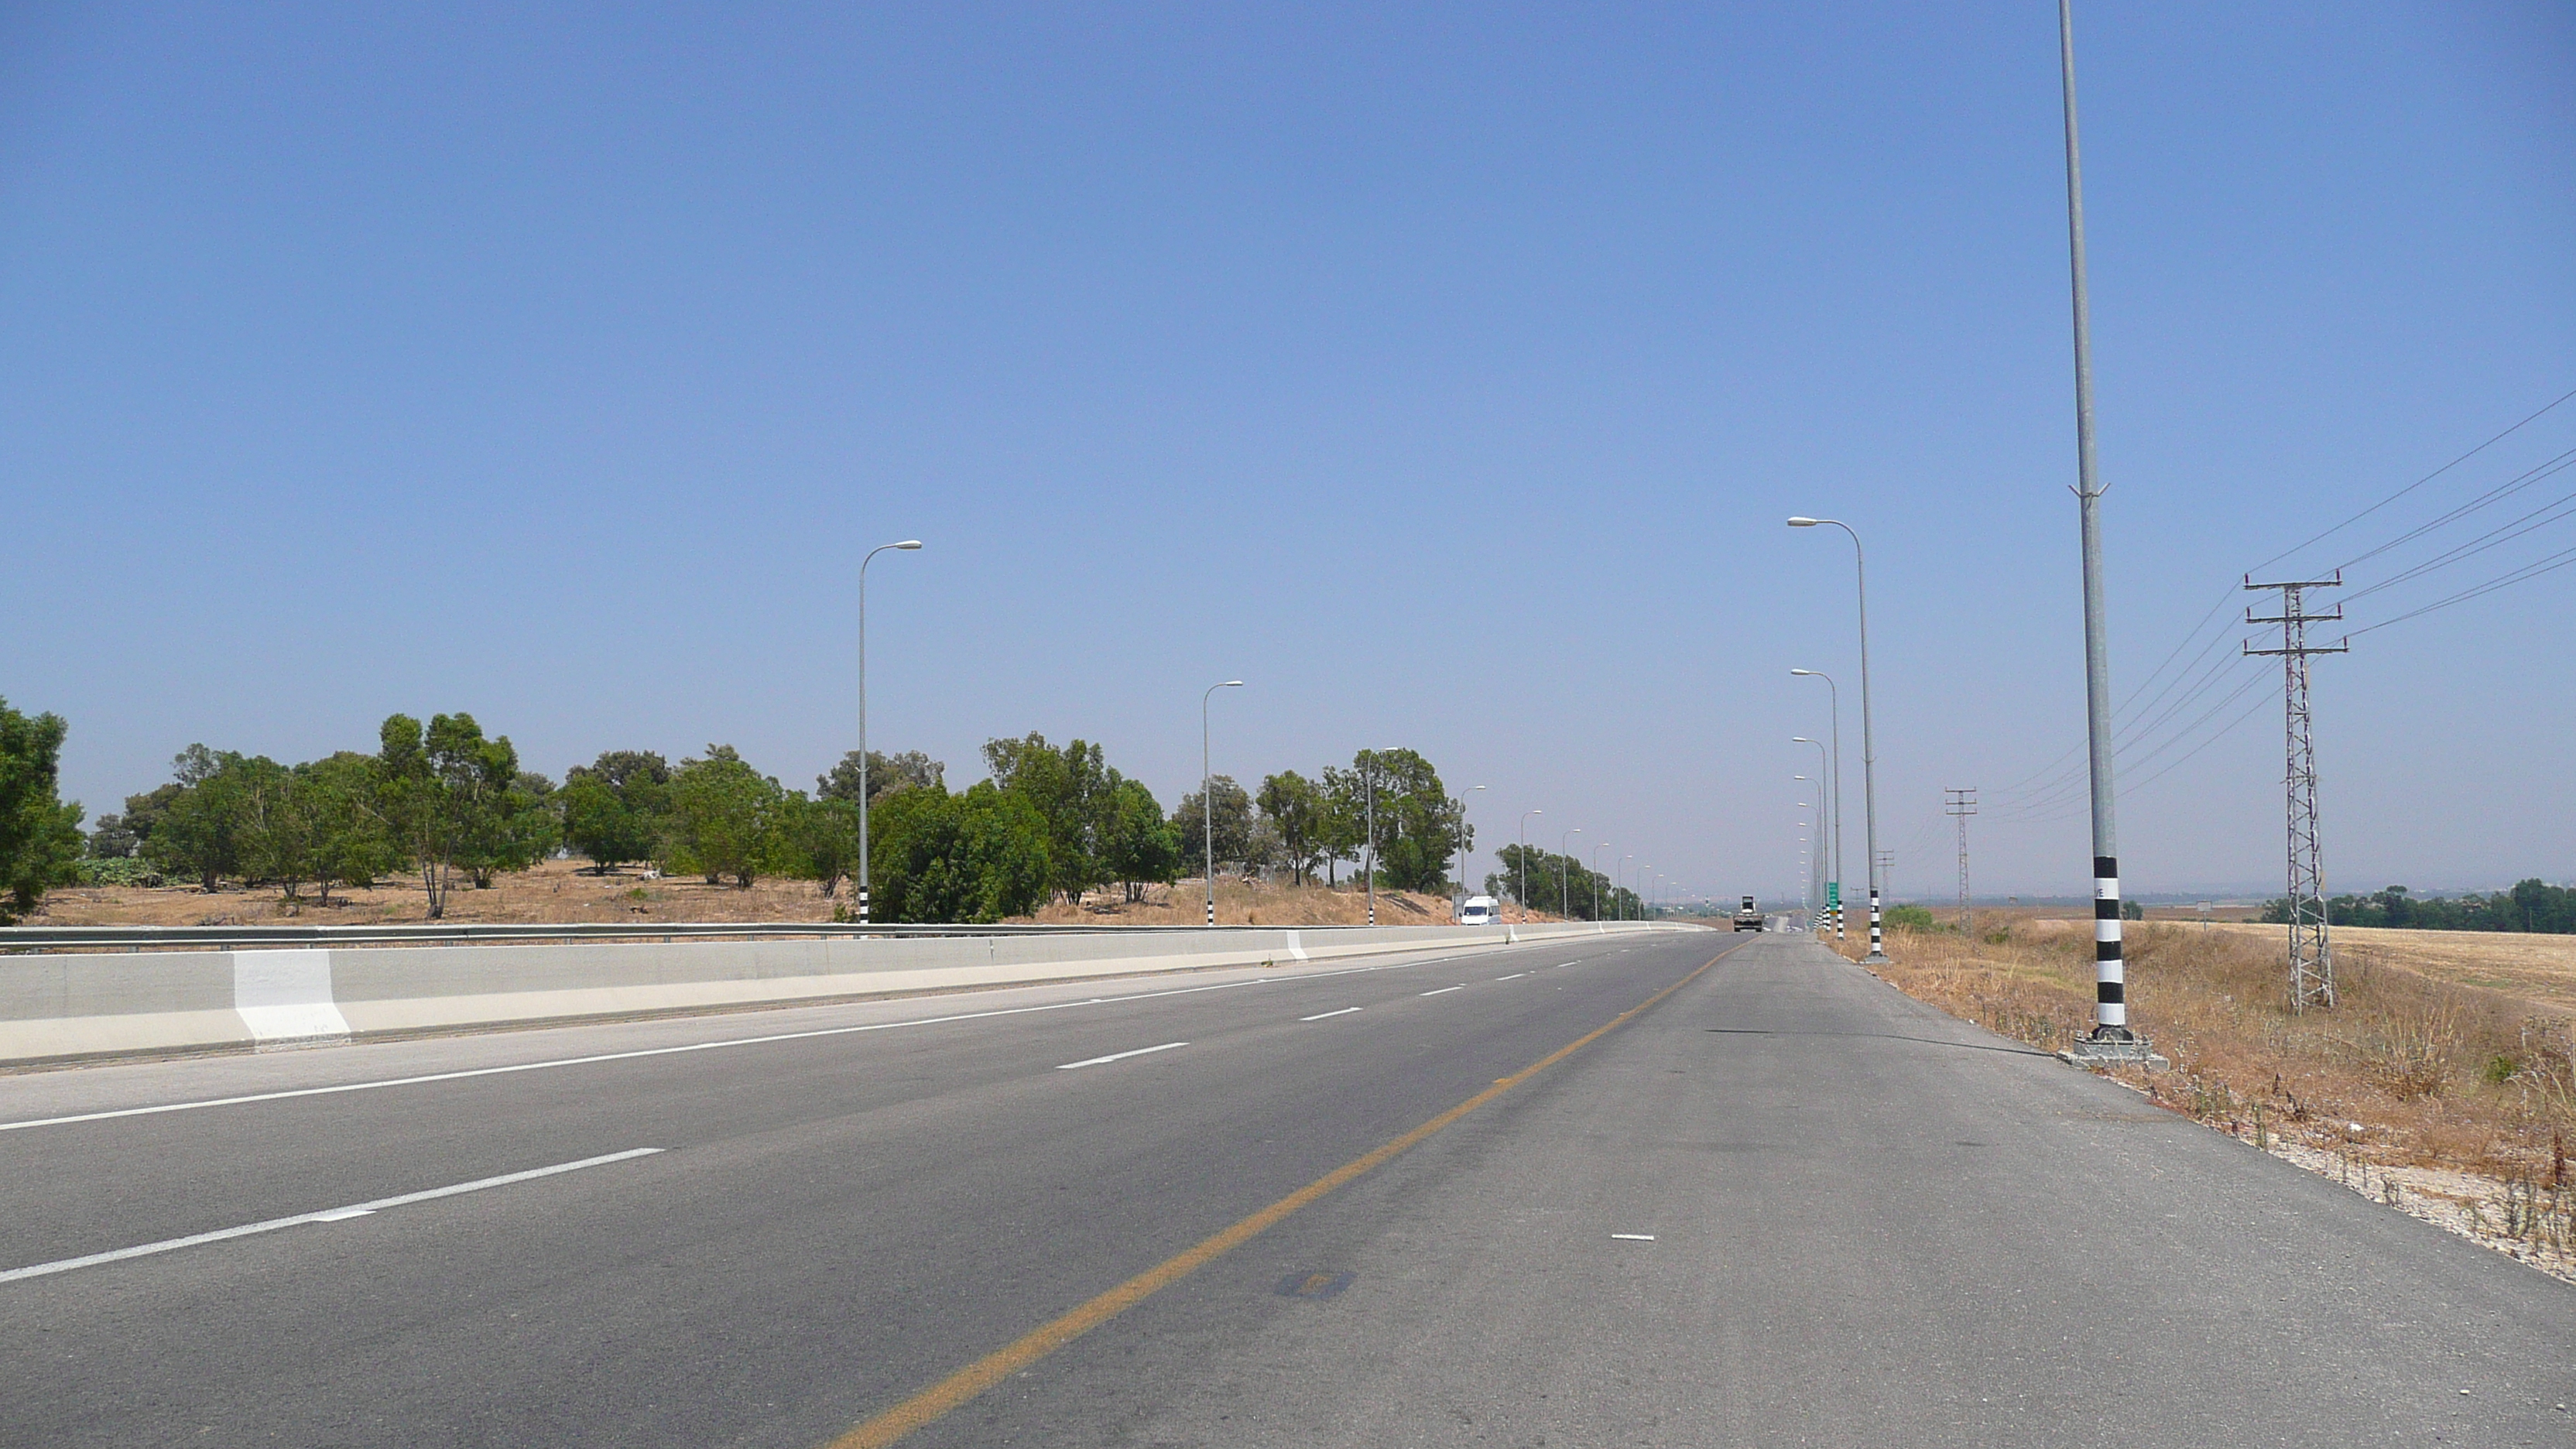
(1782,1205)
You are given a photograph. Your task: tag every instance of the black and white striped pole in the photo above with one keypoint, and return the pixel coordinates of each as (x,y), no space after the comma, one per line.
(2111,1039)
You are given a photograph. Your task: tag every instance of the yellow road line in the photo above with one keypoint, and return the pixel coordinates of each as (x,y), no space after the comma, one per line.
(962,1387)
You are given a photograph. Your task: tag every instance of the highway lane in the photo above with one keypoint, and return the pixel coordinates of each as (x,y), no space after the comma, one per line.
(1786,1205)
(834,1217)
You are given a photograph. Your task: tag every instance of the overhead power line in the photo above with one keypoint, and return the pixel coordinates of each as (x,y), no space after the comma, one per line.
(2420,482)
(2546,565)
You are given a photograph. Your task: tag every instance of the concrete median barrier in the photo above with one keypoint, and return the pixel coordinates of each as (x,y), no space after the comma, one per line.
(65,1007)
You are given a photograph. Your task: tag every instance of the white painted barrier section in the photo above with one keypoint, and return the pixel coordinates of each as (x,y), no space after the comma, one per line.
(284,998)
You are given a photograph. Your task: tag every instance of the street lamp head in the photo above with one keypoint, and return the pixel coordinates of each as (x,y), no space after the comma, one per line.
(1231,684)
(909,543)
(1806,674)
(1804,522)
(1800,740)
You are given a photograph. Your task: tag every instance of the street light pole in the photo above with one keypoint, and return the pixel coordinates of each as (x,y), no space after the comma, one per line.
(1868,751)
(1207,794)
(1596,880)
(1520,871)
(1812,857)
(1831,818)
(2110,973)
(1564,875)
(1615,878)
(907,545)
(1458,894)
(1837,876)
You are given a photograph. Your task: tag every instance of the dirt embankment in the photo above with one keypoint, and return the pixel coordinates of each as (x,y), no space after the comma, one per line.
(562,891)
(2426,1086)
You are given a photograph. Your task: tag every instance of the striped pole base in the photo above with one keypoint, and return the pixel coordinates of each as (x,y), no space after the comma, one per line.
(2110,973)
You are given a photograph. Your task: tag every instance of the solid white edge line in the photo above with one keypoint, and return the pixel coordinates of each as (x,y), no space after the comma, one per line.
(425,1079)
(1634,1237)
(327,1215)
(1121,1056)
(1319,1016)
(1443,991)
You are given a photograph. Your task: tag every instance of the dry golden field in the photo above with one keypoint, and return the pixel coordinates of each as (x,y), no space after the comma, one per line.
(2540,969)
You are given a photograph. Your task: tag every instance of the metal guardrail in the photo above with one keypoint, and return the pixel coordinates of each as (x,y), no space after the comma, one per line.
(138,938)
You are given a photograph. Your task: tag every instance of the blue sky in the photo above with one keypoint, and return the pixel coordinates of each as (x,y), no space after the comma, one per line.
(1446,373)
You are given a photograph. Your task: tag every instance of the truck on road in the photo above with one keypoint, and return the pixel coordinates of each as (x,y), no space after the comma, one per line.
(1749,916)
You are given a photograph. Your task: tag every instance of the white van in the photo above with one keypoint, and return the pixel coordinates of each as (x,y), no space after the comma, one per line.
(1479,911)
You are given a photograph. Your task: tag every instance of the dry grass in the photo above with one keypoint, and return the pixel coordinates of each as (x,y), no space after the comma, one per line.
(1261,903)
(2414,1077)
(559,891)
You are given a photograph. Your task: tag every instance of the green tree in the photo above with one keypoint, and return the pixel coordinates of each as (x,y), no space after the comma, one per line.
(351,845)
(1542,880)
(443,792)
(1295,808)
(726,817)
(514,823)
(886,774)
(40,839)
(613,809)
(1233,825)
(273,836)
(823,838)
(1071,789)
(1138,846)
(1341,820)
(976,857)
(196,832)
(1417,823)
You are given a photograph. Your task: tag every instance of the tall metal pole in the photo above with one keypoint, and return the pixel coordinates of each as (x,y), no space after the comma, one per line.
(1836,879)
(1596,878)
(907,545)
(1615,877)
(1565,875)
(1207,794)
(1458,893)
(1368,788)
(1520,868)
(1868,749)
(2110,974)
(1827,867)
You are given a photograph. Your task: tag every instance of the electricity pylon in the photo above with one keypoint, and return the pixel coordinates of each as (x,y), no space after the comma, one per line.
(2311,945)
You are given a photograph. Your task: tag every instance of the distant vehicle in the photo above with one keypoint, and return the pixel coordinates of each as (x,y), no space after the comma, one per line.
(1750,917)
(1478,911)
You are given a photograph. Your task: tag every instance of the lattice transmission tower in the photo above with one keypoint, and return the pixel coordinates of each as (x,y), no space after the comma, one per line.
(1960,804)
(2311,944)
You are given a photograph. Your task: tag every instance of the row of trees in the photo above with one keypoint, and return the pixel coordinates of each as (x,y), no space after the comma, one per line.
(2531,905)
(1544,880)
(455,806)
